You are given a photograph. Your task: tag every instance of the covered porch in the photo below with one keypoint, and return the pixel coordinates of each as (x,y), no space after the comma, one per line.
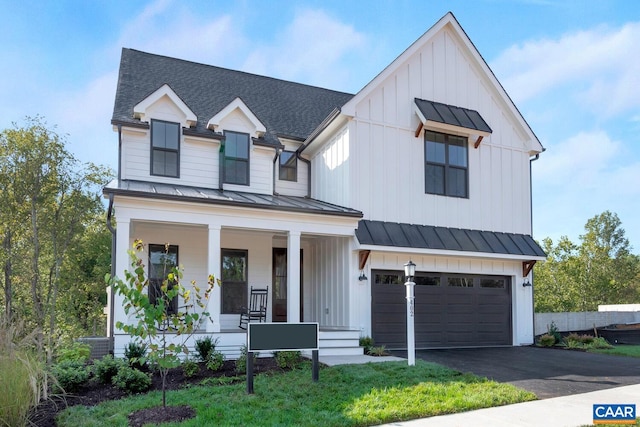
(307,260)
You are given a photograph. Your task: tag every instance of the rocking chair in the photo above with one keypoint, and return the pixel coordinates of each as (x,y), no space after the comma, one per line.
(257,309)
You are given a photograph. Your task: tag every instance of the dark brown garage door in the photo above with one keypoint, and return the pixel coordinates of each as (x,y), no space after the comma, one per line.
(450,310)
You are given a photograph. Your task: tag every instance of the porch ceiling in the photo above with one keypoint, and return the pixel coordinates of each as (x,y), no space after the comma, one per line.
(154,190)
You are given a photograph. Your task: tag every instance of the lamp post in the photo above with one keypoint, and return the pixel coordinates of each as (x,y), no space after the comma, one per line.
(410,272)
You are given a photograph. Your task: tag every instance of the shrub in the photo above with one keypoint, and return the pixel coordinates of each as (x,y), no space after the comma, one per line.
(107,368)
(366,343)
(555,332)
(215,361)
(600,342)
(241,362)
(190,368)
(132,380)
(70,375)
(75,352)
(547,340)
(378,351)
(288,359)
(135,353)
(205,347)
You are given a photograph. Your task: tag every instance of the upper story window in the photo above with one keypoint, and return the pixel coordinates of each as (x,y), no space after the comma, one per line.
(165,148)
(446,164)
(236,158)
(288,166)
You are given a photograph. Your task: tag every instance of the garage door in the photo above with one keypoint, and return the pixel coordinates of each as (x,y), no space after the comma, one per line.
(450,310)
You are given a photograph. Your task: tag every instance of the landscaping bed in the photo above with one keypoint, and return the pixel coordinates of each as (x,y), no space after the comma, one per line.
(93,393)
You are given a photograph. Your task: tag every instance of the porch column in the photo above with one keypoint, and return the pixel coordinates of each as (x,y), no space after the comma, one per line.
(293,277)
(213,267)
(123,244)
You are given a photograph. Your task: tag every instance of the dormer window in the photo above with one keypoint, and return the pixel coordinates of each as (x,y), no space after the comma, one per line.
(288,166)
(236,158)
(165,148)
(446,164)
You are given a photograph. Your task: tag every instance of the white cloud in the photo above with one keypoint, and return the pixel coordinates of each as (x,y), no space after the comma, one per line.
(600,65)
(583,176)
(312,49)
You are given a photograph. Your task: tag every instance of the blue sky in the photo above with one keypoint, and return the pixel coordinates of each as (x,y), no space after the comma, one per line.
(572,68)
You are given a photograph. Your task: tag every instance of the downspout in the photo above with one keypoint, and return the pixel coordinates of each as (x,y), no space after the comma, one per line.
(113,273)
(275,158)
(308,162)
(119,151)
(533,305)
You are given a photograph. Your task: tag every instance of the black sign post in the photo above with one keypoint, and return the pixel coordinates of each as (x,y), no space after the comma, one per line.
(282,337)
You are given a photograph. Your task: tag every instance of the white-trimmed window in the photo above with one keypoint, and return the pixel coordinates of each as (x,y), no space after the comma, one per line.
(165,148)
(446,164)
(288,166)
(236,158)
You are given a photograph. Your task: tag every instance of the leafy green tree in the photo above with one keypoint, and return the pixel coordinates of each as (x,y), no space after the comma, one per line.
(164,331)
(601,270)
(49,198)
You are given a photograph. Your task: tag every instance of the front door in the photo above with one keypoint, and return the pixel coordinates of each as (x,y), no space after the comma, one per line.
(279,293)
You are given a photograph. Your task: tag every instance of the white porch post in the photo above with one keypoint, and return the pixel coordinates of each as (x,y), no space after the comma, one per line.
(213,267)
(123,244)
(293,277)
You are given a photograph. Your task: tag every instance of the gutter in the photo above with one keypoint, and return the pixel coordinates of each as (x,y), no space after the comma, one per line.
(119,150)
(113,273)
(278,150)
(326,122)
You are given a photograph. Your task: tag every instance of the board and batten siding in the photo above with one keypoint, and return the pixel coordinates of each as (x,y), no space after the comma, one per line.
(522,308)
(330,169)
(328,287)
(386,160)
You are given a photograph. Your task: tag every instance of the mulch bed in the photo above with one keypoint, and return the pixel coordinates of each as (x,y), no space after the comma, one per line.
(94,393)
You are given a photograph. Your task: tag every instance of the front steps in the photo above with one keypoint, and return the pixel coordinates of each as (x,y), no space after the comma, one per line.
(340,343)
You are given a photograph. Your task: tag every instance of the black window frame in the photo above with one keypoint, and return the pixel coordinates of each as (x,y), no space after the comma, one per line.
(234,292)
(155,283)
(225,178)
(287,168)
(156,148)
(480,282)
(447,167)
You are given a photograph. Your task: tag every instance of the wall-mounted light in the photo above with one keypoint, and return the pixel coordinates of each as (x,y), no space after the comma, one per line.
(526,283)
(362,276)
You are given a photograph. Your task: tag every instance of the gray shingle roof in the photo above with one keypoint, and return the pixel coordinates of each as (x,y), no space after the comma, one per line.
(452,115)
(155,190)
(285,108)
(380,233)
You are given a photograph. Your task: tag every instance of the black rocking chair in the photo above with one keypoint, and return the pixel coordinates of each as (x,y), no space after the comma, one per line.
(257,307)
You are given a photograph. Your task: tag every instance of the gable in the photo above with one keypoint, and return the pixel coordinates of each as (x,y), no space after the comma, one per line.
(164,104)
(238,117)
(442,66)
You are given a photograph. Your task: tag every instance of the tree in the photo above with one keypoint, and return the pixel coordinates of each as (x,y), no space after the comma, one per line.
(49,197)
(159,327)
(601,270)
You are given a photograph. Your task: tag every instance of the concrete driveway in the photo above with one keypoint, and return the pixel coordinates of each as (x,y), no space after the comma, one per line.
(545,372)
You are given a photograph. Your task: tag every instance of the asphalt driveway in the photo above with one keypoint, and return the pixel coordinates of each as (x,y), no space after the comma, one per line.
(545,372)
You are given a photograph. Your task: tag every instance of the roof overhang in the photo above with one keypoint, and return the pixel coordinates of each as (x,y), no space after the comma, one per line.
(450,119)
(445,241)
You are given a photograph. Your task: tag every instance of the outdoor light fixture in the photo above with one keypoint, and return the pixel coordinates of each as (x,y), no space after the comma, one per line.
(362,276)
(410,272)
(526,282)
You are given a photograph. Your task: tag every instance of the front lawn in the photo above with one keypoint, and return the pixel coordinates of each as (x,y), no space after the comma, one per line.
(620,350)
(348,395)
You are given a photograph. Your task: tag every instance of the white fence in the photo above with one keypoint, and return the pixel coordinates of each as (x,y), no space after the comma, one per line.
(583,320)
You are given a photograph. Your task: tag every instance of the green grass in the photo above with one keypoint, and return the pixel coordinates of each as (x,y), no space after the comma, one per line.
(620,350)
(349,395)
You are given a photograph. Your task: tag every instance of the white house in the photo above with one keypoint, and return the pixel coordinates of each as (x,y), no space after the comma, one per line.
(323,196)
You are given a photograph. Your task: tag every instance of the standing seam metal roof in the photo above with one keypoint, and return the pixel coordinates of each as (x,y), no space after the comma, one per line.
(452,115)
(379,233)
